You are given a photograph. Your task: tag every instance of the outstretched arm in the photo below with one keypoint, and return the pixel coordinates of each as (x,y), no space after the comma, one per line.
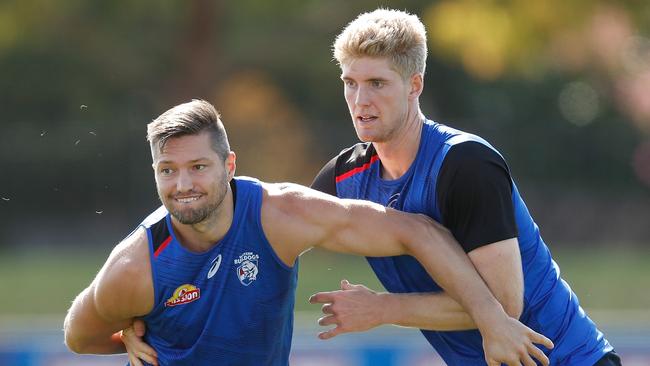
(295,218)
(121,291)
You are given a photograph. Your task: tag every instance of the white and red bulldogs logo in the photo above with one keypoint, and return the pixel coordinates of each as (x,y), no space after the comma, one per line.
(247,269)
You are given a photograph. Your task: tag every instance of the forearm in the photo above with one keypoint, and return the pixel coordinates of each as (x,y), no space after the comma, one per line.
(430,311)
(452,269)
(104,345)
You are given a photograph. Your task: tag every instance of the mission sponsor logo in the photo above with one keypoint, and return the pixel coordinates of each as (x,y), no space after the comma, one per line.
(184,294)
(247,269)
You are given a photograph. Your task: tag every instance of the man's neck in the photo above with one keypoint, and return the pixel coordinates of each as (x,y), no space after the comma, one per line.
(398,153)
(203,236)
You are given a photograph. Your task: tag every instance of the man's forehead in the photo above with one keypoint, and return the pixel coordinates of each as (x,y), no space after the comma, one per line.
(172,158)
(188,148)
(367,67)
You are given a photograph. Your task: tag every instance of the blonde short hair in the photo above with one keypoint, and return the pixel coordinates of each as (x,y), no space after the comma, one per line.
(394,34)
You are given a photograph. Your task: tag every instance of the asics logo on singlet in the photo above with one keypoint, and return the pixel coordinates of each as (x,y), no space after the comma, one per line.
(392,201)
(215,266)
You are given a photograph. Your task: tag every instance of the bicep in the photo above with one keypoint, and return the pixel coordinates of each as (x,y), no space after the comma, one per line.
(296,218)
(368,229)
(499,264)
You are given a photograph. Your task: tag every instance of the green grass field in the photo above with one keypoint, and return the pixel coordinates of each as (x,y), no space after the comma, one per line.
(44,283)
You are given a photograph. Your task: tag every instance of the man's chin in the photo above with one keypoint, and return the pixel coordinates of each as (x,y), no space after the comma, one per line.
(364,137)
(188,220)
(369,138)
(187,217)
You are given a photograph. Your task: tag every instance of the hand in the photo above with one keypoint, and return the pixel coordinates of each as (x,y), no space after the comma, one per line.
(354,308)
(135,346)
(512,343)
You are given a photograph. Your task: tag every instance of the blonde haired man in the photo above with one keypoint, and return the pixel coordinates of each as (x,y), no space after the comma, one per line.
(417,165)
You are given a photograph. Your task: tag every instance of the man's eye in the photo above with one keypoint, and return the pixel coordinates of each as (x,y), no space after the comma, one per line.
(165,171)
(199,167)
(377,83)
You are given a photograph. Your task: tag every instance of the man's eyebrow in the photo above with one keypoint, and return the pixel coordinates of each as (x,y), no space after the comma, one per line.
(191,161)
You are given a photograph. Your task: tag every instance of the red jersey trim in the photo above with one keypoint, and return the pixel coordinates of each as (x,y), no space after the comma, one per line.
(354,171)
(162,246)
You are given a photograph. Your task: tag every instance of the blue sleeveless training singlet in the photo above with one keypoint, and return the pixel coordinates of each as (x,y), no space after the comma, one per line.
(550,307)
(232,305)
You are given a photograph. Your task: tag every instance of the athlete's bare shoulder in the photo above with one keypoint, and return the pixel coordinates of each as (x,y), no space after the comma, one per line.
(133,248)
(288,212)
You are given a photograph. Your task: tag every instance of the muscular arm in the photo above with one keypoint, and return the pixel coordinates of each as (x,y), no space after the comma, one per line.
(121,291)
(296,218)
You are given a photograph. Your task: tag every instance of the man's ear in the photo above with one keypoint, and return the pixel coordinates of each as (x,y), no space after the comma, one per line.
(416,85)
(231,164)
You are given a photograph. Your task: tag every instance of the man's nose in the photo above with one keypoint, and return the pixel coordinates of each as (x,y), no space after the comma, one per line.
(362,97)
(184,182)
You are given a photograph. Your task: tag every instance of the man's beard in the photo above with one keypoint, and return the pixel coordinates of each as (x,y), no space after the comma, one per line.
(194,216)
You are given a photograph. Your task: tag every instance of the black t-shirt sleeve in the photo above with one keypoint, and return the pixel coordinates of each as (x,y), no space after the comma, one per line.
(325,181)
(474,193)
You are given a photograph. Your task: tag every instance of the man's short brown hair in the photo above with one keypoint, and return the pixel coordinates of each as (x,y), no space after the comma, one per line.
(190,118)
